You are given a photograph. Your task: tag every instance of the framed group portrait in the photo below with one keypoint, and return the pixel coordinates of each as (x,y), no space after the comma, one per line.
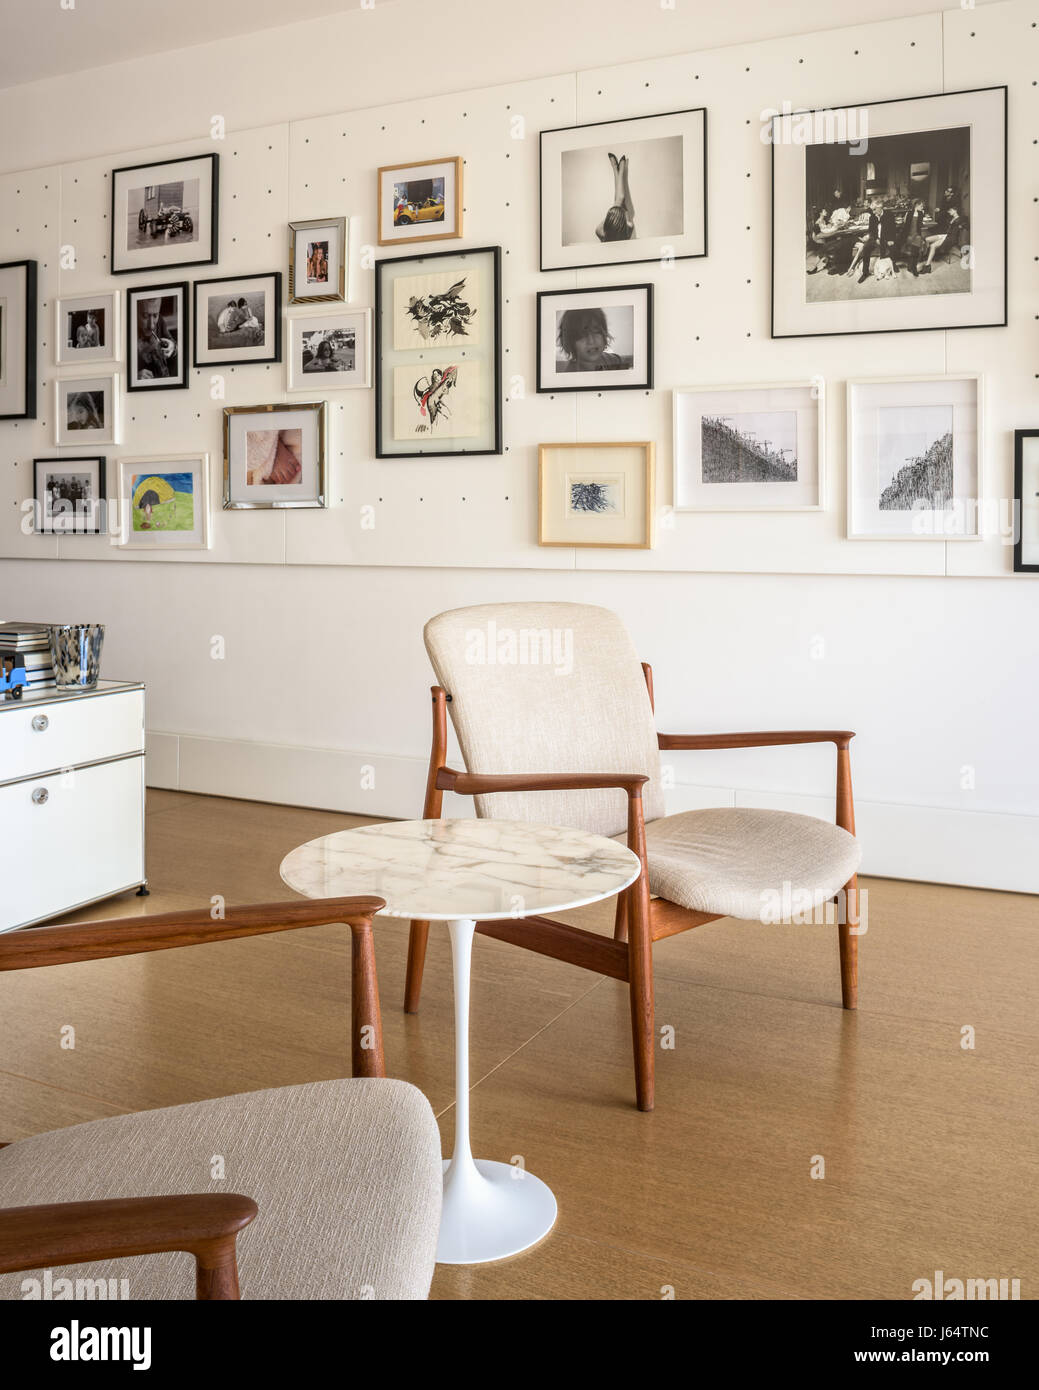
(18,340)
(238,320)
(165,215)
(596,339)
(86,328)
(275,456)
(157,320)
(317,260)
(70,495)
(420,202)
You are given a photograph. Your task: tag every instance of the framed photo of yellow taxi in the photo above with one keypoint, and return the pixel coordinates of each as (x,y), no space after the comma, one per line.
(420,202)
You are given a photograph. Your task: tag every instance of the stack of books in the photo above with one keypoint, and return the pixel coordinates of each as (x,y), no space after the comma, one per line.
(29,646)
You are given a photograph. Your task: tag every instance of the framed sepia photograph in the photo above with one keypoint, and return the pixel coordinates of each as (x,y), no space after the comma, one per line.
(164,215)
(596,495)
(157,337)
(317,260)
(164,502)
(18,340)
(275,455)
(914,458)
(87,328)
(238,320)
(70,495)
(1026,501)
(86,410)
(438,354)
(890,216)
(420,202)
(330,352)
(617,192)
(595,340)
(749,448)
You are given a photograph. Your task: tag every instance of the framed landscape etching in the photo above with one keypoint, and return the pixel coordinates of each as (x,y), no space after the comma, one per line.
(18,340)
(86,410)
(317,260)
(596,495)
(914,458)
(330,352)
(616,192)
(595,340)
(238,320)
(275,456)
(164,502)
(69,494)
(438,354)
(749,448)
(165,214)
(157,337)
(420,202)
(86,328)
(890,216)
(1026,501)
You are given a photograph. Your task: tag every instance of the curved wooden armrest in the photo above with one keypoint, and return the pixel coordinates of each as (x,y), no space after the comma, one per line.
(478,783)
(767,738)
(205,1224)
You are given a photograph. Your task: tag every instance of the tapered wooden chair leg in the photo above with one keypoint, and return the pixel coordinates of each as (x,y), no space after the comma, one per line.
(416,963)
(849,945)
(640,987)
(366,1018)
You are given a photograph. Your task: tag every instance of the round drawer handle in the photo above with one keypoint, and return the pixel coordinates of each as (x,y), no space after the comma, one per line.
(39,795)
(40,722)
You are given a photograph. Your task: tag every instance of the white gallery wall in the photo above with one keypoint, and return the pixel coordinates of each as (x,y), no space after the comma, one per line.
(318,692)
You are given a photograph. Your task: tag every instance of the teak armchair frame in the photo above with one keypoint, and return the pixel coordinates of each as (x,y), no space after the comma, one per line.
(205,1224)
(640,920)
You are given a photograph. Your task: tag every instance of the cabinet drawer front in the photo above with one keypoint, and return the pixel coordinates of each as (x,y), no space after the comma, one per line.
(70,838)
(70,732)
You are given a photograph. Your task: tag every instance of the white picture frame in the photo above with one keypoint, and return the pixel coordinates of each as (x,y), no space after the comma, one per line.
(72,321)
(308,332)
(73,418)
(154,523)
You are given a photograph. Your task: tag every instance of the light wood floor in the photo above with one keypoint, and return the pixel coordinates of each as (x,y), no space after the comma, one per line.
(930,1150)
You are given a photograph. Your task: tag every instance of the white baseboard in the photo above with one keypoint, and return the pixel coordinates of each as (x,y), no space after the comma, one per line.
(975,849)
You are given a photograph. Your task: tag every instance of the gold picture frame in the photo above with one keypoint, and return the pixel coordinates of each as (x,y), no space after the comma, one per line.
(597,495)
(395,215)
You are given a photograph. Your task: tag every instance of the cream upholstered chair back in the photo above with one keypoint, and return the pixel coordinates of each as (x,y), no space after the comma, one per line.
(548,687)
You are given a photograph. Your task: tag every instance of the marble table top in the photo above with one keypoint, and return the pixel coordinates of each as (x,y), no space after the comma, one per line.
(437,870)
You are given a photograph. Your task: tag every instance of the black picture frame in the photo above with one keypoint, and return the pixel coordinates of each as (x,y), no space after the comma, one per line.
(859,106)
(182,287)
(214,218)
(1019,438)
(199,318)
(60,463)
(29,307)
(430,259)
(592,384)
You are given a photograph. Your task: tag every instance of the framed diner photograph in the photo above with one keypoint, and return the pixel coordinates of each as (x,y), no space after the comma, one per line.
(157,318)
(596,495)
(70,495)
(595,340)
(914,458)
(420,202)
(86,410)
(749,448)
(890,216)
(317,260)
(238,320)
(164,502)
(275,456)
(330,352)
(18,340)
(87,328)
(617,192)
(1026,501)
(164,215)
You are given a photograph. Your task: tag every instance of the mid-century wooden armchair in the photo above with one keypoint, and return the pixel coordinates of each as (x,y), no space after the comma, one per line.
(346,1175)
(554,719)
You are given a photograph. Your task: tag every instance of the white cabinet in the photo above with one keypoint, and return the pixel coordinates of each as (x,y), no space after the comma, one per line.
(71,799)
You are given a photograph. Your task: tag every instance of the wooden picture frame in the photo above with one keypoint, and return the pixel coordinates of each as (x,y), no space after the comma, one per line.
(397,210)
(142,209)
(584,501)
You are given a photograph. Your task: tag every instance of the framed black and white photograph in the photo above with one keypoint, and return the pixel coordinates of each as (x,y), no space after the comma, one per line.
(70,495)
(890,216)
(749,448)
(616,192)
(276,456)
(438,354)
(164,215)
(1026,501)
(596,495)
(595,340)
(86,410)
(18,340)
(317,260)
(914,458)
(420,202)
(330,352)
(238,320)
(157,337)
(87,329)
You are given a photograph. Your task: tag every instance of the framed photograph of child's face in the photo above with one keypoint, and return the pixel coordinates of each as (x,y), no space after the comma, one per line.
(238,320)
(749,448)
(330,352)
(276,455)
(86,410)
(164,215)
(317,260)
(596,495)
(70,495)
(420,202)
(595,340)
(616,192)
(891,216)
(18,340)
(87,329)
(164,502)
(157,337)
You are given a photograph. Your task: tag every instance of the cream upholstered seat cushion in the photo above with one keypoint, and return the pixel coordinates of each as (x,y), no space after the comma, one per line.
(346,1174)
(737,862)
(548,687)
